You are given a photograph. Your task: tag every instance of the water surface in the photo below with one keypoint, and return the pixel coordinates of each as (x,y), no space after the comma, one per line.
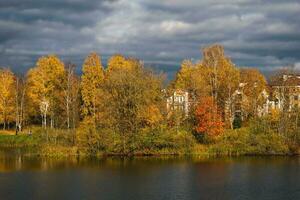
(149,178)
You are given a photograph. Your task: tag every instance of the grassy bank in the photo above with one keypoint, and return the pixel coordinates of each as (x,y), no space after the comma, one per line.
(62,143)
(19,141)
(243,142)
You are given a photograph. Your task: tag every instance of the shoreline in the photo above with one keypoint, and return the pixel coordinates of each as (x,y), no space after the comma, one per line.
(39,152)
(233,144)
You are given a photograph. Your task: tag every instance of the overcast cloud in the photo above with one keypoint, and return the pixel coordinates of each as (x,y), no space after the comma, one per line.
(256,33)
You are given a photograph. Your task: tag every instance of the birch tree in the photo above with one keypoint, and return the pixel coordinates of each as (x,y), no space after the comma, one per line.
(44,86)
(20,96)
(71,95)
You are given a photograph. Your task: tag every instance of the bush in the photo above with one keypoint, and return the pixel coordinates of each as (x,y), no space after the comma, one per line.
(232,142)
(163,140)
(245,141)
(271,143)
(147,141)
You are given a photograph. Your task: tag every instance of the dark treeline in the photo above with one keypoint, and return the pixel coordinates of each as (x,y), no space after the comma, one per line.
(210,106)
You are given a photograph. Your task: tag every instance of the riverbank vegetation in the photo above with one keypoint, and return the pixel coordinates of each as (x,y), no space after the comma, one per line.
(121,109)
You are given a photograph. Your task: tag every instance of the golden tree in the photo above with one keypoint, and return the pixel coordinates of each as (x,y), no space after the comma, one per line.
(133,99)
(221,76)
(118,61)
(91,82)
(229,78)
(20,101)
(70,97)
(7,97)
(255,83)
(44,86)
(191,77)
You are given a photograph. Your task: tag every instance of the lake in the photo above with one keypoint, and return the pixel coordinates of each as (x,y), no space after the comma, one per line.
(149,178)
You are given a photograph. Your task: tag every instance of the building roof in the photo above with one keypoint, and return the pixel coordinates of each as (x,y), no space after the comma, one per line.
(286,80)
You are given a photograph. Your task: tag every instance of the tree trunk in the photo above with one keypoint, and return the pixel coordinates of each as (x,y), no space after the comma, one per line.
(17,106)
(51,122)
(22,110)
(68,115)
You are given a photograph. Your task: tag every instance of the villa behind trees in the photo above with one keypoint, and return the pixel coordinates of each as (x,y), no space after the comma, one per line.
(125,108)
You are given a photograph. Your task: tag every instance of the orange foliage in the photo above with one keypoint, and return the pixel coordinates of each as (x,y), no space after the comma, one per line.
(208,118)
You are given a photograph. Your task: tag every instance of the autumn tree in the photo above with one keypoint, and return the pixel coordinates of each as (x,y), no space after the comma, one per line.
(221,75)
(91,87)
(7,97)
(213,56)
(118,61)
(229,77)
(44,87)
(133,98)
(191,77)
(208,119)
(183,76)
(215,75)
(20,100)
(254,86)
(71,86)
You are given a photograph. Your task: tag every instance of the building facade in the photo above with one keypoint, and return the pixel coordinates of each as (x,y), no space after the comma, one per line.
(179,100)
(285,93)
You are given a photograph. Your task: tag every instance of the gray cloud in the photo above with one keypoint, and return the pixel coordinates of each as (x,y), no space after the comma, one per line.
(255,33)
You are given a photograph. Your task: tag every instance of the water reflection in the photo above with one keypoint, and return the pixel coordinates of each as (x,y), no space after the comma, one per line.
(149,178)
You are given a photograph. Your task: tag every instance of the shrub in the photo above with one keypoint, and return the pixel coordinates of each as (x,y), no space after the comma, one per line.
(245,141)
(147,141)
(163,138)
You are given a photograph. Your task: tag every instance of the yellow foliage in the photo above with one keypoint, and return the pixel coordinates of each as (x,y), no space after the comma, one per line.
(152,115)
(91,81)
(274,115)
(228,78)
(255,82)
(7,96)
(191,77)
(45,79)
(119,62)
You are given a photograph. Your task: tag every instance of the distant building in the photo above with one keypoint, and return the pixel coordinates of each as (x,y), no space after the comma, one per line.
(285,93)
(179,100)
(238,105)
(234,105)
(264,108)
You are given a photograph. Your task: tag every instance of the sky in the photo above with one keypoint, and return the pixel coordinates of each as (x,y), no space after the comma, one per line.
(254,33)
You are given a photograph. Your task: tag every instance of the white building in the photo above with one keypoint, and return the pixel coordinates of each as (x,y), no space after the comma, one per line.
(179,100)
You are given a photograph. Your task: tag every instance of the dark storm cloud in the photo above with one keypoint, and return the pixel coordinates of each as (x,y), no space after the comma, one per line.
(264,34)
(70,5)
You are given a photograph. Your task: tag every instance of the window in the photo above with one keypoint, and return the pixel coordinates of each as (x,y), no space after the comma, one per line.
(296,97)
